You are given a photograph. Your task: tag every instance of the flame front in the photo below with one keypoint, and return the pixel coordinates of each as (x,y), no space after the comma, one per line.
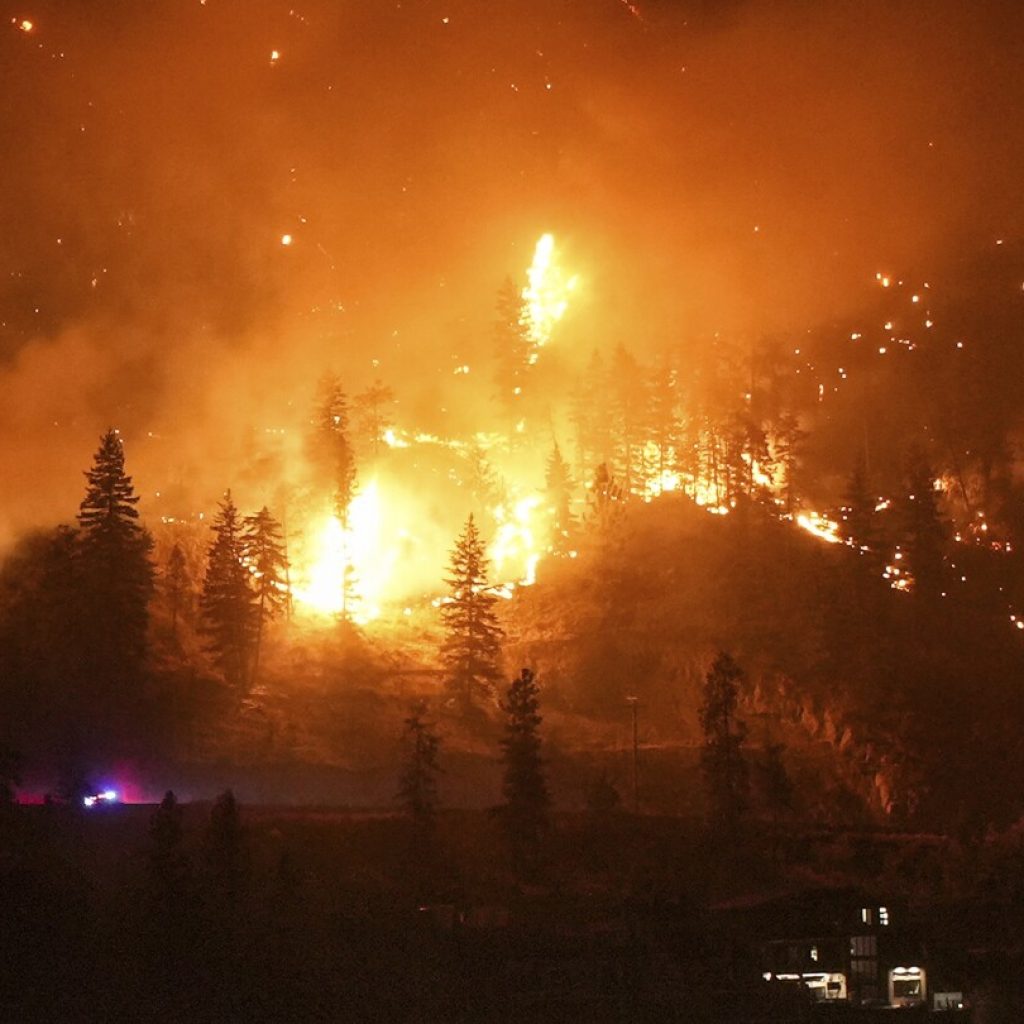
(546,295)
(514,551)
(360,550)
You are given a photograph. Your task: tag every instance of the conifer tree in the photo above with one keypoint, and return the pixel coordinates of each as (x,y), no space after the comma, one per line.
(229,616)
(726,776)
(471,650)
(336,459)
(114,567)
(628,407)
(371,408)
(176,584)
(334,447)
(787,437)
(774,783)
(924,531)
(224,847)
(167,863)
(264,556)
(663,415)
(10,776)
(859,507)
(513,349)
(558,487)
(604,499)
(525,810)
(486,489)
(417,787)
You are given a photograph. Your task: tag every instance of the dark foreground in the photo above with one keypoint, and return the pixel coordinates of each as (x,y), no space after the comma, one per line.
(321,916)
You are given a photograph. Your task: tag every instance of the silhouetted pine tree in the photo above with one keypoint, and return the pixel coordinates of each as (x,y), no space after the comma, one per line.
(264,556)
(787,439)
(114,568)
(628,409)
(334,447)
(592,418)
(663,417)
(176,584)
(371,408)
(229,615)
(471,650)
(774,785)
(558,487)
(336,460)
(513,349)
(924,531)
(605,499)
(485,487)
(525,810)
(726,776)
(417,784)
(859,518)
(10,776)
(168,866)
(224,847)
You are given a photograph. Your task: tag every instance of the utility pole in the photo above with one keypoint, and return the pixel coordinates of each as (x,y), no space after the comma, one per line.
(632,702)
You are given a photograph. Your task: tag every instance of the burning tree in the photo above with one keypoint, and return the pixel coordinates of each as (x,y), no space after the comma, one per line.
(335,457)
(371,407)
(558,485)
(726,776)
(332,446)
(114,566)
(417,787)
(514,348)
(924,531)
(525,811)
(264,555)
(228,601)
(176,584)
(471,651)
(604,499)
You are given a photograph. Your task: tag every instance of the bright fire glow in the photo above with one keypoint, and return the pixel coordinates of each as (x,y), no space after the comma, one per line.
(825,529)
(546,296)
(361,548)
(514,551)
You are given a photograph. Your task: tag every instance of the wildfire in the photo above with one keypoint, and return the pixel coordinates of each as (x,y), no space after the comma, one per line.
(546,296)
(360,551)
(821,527)
(514,551)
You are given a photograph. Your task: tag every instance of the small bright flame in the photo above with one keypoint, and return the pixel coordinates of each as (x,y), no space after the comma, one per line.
(825,529)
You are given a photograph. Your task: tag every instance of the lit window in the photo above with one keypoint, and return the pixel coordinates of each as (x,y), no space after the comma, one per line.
(867,915)
(883,916)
